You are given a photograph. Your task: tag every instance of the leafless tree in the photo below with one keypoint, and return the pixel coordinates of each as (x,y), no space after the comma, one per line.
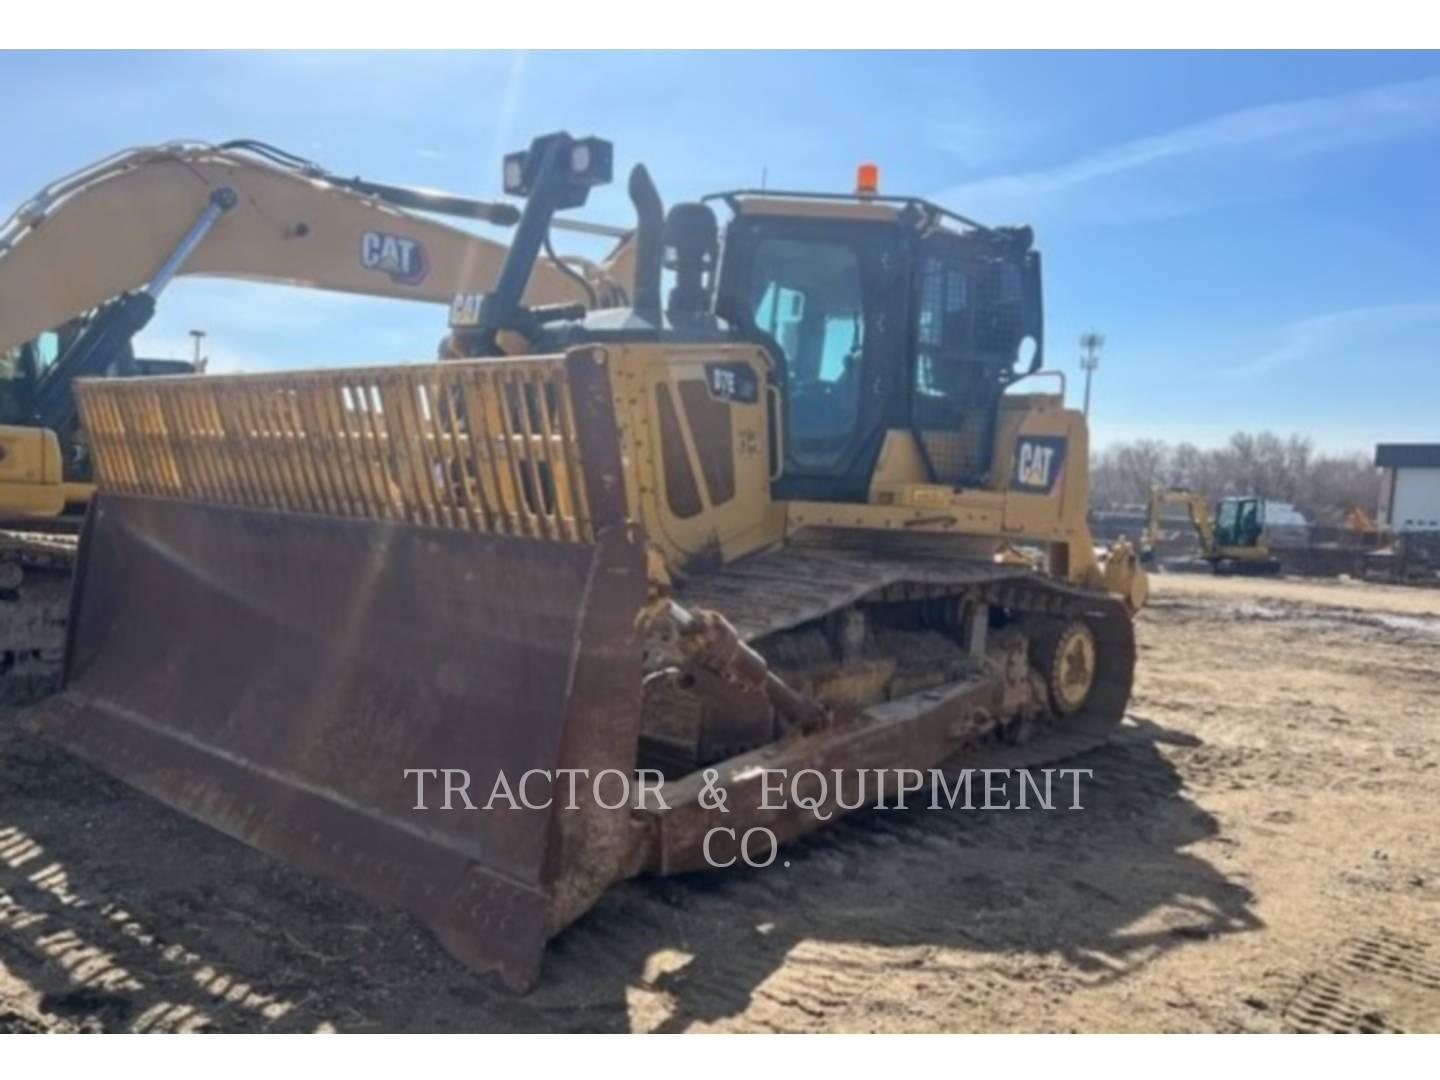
(1322,486)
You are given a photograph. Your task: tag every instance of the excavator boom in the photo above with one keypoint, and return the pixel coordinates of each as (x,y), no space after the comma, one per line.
(106,230)
(1193,502)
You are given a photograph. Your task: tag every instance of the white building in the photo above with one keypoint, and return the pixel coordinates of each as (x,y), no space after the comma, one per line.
(1286,525)
(1409,486)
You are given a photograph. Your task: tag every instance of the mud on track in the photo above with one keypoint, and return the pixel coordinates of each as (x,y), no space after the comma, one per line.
(1258,852)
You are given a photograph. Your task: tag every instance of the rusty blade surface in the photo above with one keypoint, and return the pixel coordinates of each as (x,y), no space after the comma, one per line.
(273,674)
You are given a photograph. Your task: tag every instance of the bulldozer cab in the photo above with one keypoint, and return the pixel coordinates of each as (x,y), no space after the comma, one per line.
(880,317)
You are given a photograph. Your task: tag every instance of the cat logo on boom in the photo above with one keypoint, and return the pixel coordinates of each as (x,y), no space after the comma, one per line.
(1038,461)
(399,257)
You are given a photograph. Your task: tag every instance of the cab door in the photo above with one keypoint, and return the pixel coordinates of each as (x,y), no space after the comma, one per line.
(1227,523)
(828,298)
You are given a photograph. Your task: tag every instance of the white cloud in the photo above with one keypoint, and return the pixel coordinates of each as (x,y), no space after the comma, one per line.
(1146,177)
(508,107)
(1360,332)
(973,142)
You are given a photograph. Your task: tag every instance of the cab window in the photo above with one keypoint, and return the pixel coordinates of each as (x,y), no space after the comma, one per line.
(31,359)
(47,351)
(21,366)
(943,302)
(809,296)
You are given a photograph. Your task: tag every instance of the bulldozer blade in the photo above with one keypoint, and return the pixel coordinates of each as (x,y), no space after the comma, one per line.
(274,674)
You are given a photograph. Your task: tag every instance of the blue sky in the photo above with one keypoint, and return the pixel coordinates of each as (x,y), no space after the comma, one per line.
(1257,234)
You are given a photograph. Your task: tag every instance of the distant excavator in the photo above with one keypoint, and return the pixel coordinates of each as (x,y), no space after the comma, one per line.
(1358,519)
(1232,537)
(83,263)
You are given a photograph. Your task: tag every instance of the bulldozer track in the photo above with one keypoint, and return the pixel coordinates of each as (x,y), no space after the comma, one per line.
(773,592)
(780,590)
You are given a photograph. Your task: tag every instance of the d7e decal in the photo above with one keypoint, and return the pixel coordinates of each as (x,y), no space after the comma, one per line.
(732,382)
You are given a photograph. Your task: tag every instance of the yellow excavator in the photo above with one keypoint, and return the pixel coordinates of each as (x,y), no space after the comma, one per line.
(83,263)
(1232,538)
(639,589)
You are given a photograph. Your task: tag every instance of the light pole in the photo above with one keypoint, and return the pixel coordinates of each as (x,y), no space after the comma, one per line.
(1091,343)
(198,336)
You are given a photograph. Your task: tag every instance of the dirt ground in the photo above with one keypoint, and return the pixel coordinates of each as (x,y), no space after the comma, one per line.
(1258,851)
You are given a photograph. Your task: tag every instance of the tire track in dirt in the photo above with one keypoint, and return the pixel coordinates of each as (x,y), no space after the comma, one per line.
(1382,982)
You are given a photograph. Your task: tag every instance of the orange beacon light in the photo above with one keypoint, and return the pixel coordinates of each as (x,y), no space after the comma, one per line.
(867,179)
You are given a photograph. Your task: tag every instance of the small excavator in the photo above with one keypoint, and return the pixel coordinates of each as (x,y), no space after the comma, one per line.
(83,263)
(1232,538)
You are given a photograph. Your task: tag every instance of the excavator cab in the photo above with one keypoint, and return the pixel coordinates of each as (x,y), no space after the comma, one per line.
(36,376)
(1239,521)
(21,368)
(31,458)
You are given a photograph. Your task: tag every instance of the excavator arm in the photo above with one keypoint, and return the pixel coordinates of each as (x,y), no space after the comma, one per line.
(113,227)
(1193,502)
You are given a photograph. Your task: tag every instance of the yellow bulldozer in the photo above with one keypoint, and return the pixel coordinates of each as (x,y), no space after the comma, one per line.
(84,262)
(1232,538)
(484,635)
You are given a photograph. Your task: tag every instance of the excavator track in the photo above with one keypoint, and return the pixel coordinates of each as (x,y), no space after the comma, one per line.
(35,573)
